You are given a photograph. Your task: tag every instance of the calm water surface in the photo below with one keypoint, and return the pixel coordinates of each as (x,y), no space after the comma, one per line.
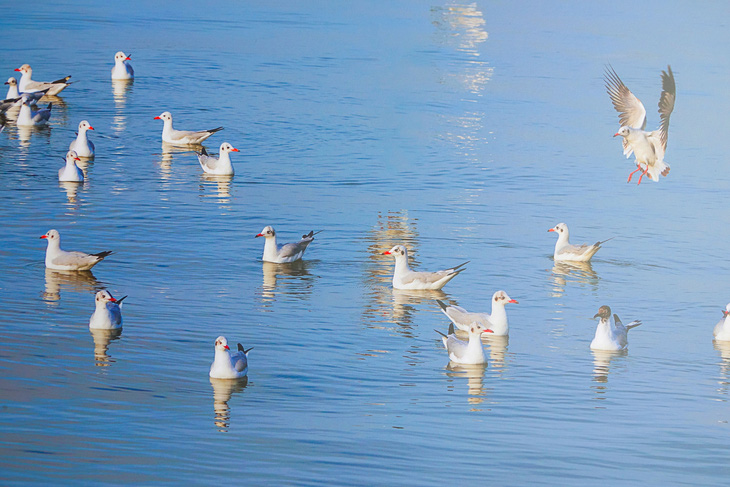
(464,131)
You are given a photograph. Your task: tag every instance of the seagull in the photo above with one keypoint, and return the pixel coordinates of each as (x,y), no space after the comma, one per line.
(14,93)
(82,145)
(648,147)
(722,328)
(71,172)
(221,165)
(285,253)
(182,137)
(108,313)
(496,322)
(122,69)
(405,278)
(461,352)
(227,365)
(61,260)
(611,336)
(31,117)
(577,253)
(28,85)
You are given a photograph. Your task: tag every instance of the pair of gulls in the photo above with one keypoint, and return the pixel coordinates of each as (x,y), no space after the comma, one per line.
(80,147)
(27,91)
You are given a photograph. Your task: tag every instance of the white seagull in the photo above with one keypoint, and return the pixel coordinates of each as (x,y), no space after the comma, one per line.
(71,172)
(285,253)
(122,69)
(30,117)
(82,145)
(28,85)
(722,328)
(496,322)
(182,137)
(611,336)
(648,147)
(470,352)
(108,313)
(564,251)
(227,365)
(220,165)
(405,278)
(14,93)
(61,260)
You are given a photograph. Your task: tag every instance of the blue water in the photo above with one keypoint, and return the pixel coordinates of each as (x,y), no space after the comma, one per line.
(463,131)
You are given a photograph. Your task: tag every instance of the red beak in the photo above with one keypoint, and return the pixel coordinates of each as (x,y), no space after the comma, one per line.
(387,252)
(724,312)
(17,69)
(226,347)
(259,235)
(76,159)
(113,300)
(551,230)
(91,128)
(513,301)
(157,118)
(488,331)
(235,150)
(42,236)
(128,58)
(616,134)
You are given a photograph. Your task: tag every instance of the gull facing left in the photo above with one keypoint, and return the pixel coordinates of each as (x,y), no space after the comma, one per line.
(610,335)
(61,260)
(227,365)
(26,84)
(182,137)
(468,352)
(283,254)
(405,278)
(648,147)
(564,251)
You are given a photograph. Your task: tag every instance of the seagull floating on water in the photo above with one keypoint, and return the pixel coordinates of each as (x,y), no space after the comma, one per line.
(564,251)
(648,147)
(405,278)
(285,253)
(468,352)
(182,137)
(227,365)
(71,172)
(611,335)
(220,165)
(61,260)
(122,70)
(82,145)
(28,85)
(496,322)
(108,313)
(30,117)
(722,328)
(14,93)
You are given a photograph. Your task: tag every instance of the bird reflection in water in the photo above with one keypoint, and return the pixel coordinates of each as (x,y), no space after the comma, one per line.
(71,188)
(474,375)
(223,390)
(102,338)
(724,380)
(217,187)
(76,281)
(497,351)
(578,272)
(120,90)
(601,367)
(291,279)
(405,303)
(168,151)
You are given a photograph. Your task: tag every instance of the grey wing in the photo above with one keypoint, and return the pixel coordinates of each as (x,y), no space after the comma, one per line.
(239,361)
(666,104)
(180,134)
(429,277)
(455,346)
(74,258)
(631,111)
(91,144)
(292,249)
(208,161)
(574,249)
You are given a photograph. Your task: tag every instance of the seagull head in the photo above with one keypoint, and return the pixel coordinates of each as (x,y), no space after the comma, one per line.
(604,312)
(501,297)
(120,56)
(166,116)
(726,311)
(72,156)
(221,344)
(51,235)
(623,131)
(104,296)
(12,82)
(226,147)
(267,232)
(476,329)
(25,69)
(84,125)
(399,252)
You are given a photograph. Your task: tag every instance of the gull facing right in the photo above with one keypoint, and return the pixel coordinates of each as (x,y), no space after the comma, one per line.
(122,70)
(82,145)
(108,313)
(564,251)
(470,352)
(220,165)
(182,137)
(496,322)
(227,365)
(61,260)
(405,278)
(611,336)
(648,147)
(722,328)
(285,253)
(71,173)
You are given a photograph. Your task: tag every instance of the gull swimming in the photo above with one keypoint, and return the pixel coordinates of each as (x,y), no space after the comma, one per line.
(122,70)
(82,145)
(722,328)
(564,251)
(31,117)
(285,253)
(108,313)
(611,335)
(227,365)
(26,84)
(61,260)
(182,137)
(71,172)
(405,278)
(218,165)
(496,321)
(648,147)
(468,352)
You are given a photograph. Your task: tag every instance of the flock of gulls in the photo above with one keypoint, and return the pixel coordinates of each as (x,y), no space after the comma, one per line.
(611,334)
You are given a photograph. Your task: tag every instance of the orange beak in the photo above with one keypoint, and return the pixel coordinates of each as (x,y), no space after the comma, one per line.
(513,301)
(551,230)
(235,150)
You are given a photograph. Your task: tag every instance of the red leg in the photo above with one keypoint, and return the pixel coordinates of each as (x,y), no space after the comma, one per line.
(643,174)
(638,168)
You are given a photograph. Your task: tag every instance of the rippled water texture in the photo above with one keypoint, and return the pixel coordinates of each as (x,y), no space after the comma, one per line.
(463,131)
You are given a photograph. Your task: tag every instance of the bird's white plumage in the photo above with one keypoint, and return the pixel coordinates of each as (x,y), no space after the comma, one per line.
(564,251)
(27,85)
(182,137)
(227,364)
(466,352)
(496,321)
(611,333)
(61,260)
(405,278)
(71,172)
(282,254)
(217,165)
(122,70)
(82,145)
(108,313)
(722,328)
(29,116)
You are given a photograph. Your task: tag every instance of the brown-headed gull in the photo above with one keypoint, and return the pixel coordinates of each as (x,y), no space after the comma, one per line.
(285,253)
(722,328)
(28,85)
(82,145)
(496,322)
(28,116)
(122,70)
(71,173)
(405,278)
(220,165)
(227,365)
(108,313)
(648,147)
(564,251)
(182,137)
(611,334)
(468,352)
(61,260)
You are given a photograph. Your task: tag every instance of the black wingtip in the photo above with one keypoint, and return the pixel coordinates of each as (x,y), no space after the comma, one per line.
(218,129)
(440,333)
(202,152)
(119,301)
(241,349)
(451,329)
(62,80)
(442,304)
(106,253)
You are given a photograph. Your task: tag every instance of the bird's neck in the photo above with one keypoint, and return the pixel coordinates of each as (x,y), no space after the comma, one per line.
(82,135)
(499,314)
(270,249)
(222,357)
(12,92)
